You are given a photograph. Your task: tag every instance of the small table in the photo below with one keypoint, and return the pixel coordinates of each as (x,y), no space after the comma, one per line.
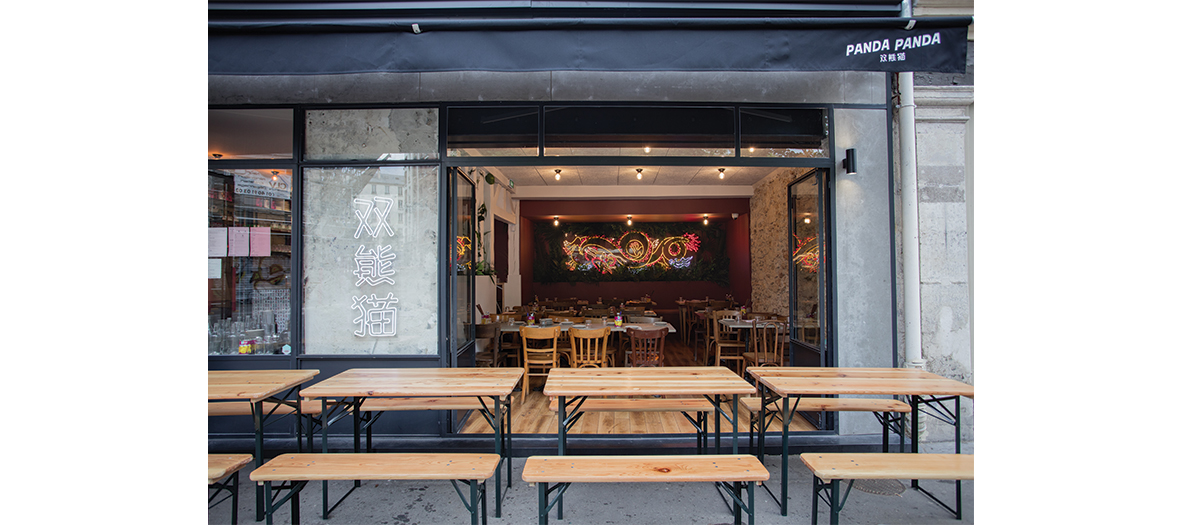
(258,386)
(359,384)
(775,382)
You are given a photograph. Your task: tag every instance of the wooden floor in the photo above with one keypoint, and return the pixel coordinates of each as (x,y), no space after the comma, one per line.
(534,417)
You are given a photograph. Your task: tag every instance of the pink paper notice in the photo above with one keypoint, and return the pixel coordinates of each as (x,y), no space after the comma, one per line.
(239,241)
(217,242)
(260,242)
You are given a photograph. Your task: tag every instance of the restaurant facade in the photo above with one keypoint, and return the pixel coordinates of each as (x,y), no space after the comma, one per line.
(383,174)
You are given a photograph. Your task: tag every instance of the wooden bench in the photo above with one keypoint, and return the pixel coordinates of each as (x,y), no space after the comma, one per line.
(298,469)
(381,405)
(307,408)
(878,407)
(731,471)
(223,475)
(699,406)
(829,469)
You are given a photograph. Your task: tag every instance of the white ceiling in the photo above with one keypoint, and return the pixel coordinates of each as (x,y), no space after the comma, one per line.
(625,175)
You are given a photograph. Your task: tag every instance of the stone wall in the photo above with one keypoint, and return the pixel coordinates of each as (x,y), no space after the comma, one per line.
(770,242)
(943,126)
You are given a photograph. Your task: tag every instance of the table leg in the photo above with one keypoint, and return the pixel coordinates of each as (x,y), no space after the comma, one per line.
(733,423)
(259,505)
(499,452)
(324,448)
(560,447)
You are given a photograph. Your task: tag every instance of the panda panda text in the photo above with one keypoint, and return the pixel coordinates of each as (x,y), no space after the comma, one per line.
(898,45)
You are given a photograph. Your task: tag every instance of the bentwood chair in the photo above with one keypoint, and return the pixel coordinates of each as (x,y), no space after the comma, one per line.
(647,346)
(589,347)
(769,345)
(725,346)
(540,354)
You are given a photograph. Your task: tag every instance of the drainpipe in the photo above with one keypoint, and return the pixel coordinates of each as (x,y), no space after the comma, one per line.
(911,275)
(911,269)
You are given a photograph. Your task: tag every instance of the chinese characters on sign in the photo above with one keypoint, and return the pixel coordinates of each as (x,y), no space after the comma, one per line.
(374,266)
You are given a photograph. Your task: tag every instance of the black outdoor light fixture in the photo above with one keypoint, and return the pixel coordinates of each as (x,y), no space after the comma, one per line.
(850,161)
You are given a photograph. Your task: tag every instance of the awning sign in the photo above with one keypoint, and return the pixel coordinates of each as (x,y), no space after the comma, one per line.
(928,45)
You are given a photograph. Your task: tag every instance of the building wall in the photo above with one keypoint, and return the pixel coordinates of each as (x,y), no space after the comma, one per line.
(943,125)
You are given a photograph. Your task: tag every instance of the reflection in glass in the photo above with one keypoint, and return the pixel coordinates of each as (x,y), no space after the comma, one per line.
(370,257)
(807,261)
(249,261)
(372,134)
(250,133)
(784,133)
(463,251)
(492,132)
(639,131)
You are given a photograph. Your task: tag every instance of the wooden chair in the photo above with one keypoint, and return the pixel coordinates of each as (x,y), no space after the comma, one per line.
(725,346)
(589,347)
(563,339)
(540,354)
(702,331)
(647,346)
(769,345)
(641,319)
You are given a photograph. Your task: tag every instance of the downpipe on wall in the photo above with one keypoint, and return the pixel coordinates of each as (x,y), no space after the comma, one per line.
(910,232)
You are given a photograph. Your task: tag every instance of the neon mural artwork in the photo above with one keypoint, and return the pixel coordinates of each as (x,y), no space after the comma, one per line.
(806,253)
(634,251)
(462,244)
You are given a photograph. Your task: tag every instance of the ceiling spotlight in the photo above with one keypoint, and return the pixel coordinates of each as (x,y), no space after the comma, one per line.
(628,220)
(555,223)
(647,149)
(217,155)
(721,171)
(556,174)
(706,219)
(751,149)
(639,173)
(807,220)
(274,175)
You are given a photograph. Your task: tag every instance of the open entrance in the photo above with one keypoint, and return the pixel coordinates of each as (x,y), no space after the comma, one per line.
(648,207)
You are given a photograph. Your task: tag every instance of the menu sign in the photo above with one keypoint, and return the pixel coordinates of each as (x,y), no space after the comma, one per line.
(258,184)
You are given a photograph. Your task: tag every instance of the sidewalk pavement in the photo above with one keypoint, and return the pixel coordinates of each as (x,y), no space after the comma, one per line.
(433,503)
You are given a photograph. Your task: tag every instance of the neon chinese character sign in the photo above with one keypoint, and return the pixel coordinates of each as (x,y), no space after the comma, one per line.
(374,266)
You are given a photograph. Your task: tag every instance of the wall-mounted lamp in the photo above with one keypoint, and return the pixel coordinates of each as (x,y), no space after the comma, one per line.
(556,174)
(639,173)
(628,220)
(721,171)
(555,223)
(850,161)
(217,155)
(706,219)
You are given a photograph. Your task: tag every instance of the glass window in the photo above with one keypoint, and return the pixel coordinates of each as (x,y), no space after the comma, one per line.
(464,254)
(249,261)
(639,131)
(784,133)
(370,257)
(492,132)
(808,262)
(250,133)
(372,134)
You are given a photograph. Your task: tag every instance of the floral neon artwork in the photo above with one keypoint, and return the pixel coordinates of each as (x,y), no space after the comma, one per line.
(462,244)
(633,251)
(807,253)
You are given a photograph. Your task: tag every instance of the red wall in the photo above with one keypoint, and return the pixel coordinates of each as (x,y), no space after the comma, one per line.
(664,293)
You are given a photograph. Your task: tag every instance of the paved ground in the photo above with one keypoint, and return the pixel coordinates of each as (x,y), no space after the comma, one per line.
(430,503)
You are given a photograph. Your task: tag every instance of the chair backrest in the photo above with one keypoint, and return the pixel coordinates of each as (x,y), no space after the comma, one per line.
(589,346)
(540,345)
(720,330)
(596,312)
(633,311)
(647,346)
(567,319)
(641,319)
(720,304)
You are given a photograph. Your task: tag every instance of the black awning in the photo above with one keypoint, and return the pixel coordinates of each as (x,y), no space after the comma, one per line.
(374,46)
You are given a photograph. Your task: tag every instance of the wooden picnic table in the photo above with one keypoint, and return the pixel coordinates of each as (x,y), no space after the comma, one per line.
(348,391)
(256,387)
(921,386)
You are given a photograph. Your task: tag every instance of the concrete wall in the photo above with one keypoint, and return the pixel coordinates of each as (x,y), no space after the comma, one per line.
(818,87)
(863,273)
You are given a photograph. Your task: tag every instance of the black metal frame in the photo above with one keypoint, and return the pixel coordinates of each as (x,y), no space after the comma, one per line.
(734,489)
(275,498)
(228,484)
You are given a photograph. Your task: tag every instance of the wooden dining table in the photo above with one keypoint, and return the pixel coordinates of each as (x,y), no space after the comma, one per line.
(280,387)
(347,391)
(922,387)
